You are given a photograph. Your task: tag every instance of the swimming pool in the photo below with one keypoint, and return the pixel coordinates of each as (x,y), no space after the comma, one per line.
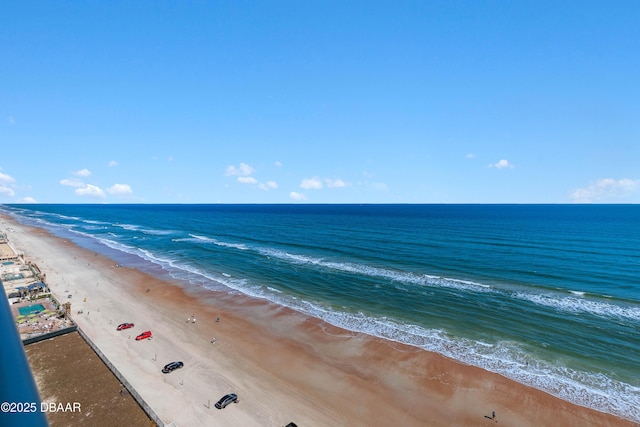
(24,311)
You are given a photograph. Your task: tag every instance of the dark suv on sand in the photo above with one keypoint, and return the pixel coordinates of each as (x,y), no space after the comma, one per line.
(227,399)
(172,367)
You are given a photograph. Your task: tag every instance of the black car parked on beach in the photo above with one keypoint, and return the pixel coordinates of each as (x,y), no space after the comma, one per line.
(227,399)
(170,367)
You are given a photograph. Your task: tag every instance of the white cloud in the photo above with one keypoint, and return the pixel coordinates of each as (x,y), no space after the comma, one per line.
(606,188)
(335,183)
(278,164)
(8,179)
(470,156)
(72,182)
(242,170)
(247,180)
(113,163)
(27,200)
(502,164)
(120,190)
(7,191)
(7,184)
(316,183)
(82,172)
(311,183)
(91,191)
(244,173)
(268,185)
(297,196)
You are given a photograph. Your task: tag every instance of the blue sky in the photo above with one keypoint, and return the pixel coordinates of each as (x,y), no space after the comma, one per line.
(320,102)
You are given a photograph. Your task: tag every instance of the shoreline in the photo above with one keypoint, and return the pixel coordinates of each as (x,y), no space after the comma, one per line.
(285,366)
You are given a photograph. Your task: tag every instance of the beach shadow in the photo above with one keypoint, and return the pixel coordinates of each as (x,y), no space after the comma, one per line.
(492,417)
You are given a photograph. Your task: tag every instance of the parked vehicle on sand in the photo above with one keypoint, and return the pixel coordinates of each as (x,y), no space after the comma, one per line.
(143,336)
(170,367)
(123,326)
(226,400)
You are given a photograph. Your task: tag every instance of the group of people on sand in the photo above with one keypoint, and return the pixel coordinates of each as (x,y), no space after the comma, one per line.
(192,319)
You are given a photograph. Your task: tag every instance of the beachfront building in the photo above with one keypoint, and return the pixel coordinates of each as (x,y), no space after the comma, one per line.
(7,253)
(19,279)
(36,313)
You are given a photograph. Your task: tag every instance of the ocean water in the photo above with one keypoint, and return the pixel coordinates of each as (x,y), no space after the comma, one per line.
(547,295)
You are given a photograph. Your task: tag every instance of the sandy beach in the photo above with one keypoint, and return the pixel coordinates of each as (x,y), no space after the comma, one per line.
(283,365)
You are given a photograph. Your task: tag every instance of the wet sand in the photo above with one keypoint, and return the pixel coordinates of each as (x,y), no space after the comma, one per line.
(283,365)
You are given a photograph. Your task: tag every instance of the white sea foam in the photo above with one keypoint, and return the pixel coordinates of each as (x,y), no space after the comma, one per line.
(396,276)
(506,358)
(131,227)
(93,227)
(240,246)
(203,238)
(577,303)
(75,218)
(177,270)
(581,305)
(89,221)
(157,232)
(46,224)
(143,230)
(365,270)
(166,263)
(118,246)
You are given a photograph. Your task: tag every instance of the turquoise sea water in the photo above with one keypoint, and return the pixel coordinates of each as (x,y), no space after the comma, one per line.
(548,295)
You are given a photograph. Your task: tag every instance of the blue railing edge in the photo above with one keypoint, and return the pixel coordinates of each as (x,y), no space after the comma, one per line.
(20,403)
